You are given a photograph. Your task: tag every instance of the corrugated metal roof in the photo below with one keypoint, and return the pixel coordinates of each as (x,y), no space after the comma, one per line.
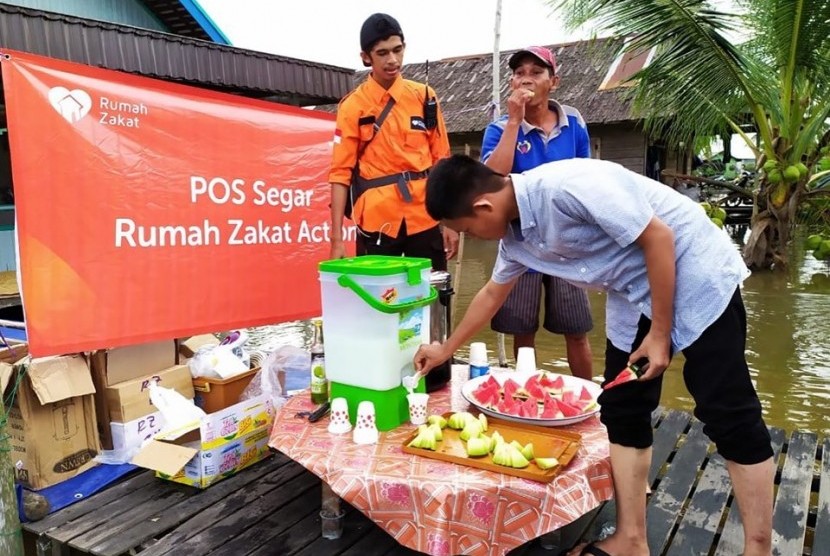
(187,18)
(176,17)
(464,84)
(171,57)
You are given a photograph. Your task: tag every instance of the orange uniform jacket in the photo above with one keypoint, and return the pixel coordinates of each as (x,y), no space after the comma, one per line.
(402,144)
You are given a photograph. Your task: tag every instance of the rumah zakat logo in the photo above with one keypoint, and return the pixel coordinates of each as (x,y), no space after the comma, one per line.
(72,105)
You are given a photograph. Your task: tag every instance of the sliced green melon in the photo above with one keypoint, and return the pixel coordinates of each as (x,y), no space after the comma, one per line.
(459,419)
(477,447)
(546,463)
(437,420)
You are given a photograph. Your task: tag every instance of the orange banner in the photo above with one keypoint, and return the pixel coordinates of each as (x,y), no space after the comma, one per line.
(150,210)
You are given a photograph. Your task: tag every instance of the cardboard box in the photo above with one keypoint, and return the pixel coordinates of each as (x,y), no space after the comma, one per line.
(13,352)
(213,448)
(189,346)
(210,466)
(52,421)
(130,400)
(121,364)
(116,365)
(126,436)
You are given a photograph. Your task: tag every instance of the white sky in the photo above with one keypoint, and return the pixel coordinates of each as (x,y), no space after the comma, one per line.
(328,31)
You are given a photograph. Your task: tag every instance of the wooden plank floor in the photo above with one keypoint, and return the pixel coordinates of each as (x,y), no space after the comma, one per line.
(272,509)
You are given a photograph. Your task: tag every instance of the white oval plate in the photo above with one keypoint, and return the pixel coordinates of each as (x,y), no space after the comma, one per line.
(521,377)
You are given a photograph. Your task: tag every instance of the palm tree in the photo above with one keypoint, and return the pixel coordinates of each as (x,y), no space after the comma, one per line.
(702,80)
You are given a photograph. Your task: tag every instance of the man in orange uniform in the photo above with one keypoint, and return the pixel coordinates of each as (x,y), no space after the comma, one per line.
(390,132)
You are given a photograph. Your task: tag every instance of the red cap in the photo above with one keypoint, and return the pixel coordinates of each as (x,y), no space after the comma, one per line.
(540,53)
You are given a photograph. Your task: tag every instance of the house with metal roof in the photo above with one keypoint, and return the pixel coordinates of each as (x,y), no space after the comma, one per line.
(165,39)
(173,40)
(593,80)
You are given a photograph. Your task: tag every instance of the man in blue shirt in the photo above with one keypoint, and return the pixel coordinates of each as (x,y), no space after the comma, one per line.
(537,130)
(654,251)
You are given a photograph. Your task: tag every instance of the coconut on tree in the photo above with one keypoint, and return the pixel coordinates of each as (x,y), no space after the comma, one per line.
(765,68)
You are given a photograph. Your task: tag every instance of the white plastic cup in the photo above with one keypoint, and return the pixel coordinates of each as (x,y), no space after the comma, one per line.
(526,359)
(365,429)
(417,408)
(339,416)
(478,354)
(331,525)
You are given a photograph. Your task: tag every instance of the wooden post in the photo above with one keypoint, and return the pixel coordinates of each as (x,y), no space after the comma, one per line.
(11,538)
(496,113)
(496,63)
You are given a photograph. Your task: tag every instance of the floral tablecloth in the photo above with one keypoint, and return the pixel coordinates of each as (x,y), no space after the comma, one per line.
(442,508)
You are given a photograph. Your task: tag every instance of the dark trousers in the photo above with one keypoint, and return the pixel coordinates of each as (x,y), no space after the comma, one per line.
(717,377)
(428,244)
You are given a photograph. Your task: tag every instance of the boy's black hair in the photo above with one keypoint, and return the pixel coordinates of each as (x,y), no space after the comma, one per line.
(455,182)
(376,28)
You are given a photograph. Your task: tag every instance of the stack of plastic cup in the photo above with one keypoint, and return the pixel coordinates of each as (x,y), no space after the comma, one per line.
(479,365)
(526,359)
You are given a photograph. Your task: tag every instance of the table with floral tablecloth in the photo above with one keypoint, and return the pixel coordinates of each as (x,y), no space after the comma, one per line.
(442,508)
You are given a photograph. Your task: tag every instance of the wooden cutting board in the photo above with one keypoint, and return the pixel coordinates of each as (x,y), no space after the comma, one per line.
(547,442)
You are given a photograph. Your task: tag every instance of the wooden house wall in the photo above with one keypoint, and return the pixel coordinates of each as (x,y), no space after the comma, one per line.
(621,143)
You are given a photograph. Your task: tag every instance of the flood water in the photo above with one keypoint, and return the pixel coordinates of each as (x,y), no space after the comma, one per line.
(788,344)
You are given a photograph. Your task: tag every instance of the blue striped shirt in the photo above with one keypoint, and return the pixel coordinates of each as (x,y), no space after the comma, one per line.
(569,139)
(579,219)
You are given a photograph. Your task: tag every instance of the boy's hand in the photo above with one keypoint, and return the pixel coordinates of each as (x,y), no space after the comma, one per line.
(430,356)
(656,349)
(337,250)
(450,242)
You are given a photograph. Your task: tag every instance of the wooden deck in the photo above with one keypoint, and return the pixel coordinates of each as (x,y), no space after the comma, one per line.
(272,509)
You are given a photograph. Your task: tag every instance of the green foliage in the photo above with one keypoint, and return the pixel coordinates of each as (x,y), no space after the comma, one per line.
(765,68)
(819,245)
(701,79)
(814,212)
(715,213)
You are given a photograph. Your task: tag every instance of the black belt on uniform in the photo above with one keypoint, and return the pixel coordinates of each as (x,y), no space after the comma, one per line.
(361,185)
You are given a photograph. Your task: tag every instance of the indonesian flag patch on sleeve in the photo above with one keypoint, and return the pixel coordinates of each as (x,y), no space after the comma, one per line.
(337,135)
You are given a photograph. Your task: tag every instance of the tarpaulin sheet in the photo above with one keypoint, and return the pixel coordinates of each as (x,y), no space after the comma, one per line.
(150,210)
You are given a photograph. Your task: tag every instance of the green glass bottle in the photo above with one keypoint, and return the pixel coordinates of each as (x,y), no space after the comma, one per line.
(319,382)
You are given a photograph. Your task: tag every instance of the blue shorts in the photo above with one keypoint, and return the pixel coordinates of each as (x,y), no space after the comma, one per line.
(567,310)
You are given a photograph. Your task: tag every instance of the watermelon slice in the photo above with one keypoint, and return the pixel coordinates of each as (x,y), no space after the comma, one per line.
(626,375)
(551,410)
(484,387)
(529,408)
(491,381)
(535,390)
(569,397)
(533,380)
(510,388)
(585,402)
(487,395)
(553,385)
(508,406)
(567,409)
